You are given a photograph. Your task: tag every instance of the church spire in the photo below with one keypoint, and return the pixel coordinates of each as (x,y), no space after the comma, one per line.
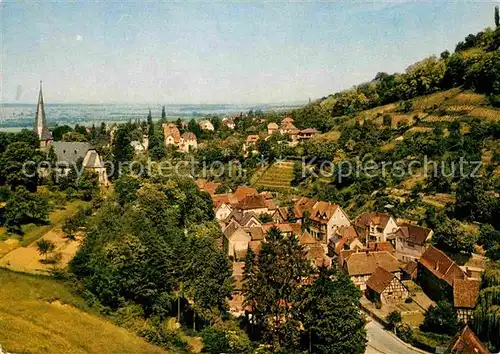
(41,128)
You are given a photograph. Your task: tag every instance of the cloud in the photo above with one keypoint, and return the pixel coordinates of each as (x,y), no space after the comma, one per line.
(78,38)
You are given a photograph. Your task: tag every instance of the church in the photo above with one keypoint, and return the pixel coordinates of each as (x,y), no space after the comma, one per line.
(68,153)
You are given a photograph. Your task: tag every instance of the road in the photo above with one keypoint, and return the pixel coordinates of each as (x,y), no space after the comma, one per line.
(381,341)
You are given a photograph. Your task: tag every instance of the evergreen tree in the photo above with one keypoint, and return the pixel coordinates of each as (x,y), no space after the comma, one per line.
(497,17)
(163,114)
(272,288)
(330,315)
(151,126)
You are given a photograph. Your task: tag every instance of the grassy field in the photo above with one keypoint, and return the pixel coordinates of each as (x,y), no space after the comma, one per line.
(41,315)
(33,232)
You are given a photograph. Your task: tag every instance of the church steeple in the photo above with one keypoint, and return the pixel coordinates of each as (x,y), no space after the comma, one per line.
(41,127)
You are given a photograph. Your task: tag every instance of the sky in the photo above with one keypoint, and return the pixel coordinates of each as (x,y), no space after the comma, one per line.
(217,52)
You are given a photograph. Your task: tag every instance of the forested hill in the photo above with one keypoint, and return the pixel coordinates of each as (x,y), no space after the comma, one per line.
(475,65)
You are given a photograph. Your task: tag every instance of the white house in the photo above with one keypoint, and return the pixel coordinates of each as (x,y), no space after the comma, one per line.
(205,124)
(378,227)
(325,217)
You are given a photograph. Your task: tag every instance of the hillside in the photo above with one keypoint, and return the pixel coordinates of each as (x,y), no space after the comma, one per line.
(277,177)
(40,315)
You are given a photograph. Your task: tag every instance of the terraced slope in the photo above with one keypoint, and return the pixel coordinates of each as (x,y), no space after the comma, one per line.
(276,177)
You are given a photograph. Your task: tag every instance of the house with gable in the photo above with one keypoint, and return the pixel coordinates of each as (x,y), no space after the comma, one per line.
(360,266)
(466,342)
(306,134)
(236,240)
(465,295)
(205,124)
(436,273)
(253,204)
(240,219)
(345,238)
(411,241)
(222,205)
(250,143)
(385,287)
(325,218)
(188,142)
(70,153)
(272,128)
(379,227)
(280,215)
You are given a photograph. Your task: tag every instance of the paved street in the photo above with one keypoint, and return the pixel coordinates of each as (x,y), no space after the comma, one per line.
(381,341)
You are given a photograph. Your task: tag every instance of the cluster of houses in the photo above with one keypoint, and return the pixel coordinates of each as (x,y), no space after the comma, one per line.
(377,252)
(286,128)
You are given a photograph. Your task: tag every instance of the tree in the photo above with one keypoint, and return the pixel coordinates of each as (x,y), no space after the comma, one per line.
(497,17)
(440,319)
(264,218)
(126,188)
(393,318)
(44,247)
(331,297)
(452,236)
(163,114)
(123,151)
(472,201)
(59,131)
(24,207)
(18,166)
(271,288)
(487,314)
(151,127)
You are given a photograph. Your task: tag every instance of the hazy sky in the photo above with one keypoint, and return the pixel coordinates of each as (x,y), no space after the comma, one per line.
(238,52)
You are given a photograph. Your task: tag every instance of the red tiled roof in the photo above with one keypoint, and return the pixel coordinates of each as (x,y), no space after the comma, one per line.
(210,187)
(410,267)
(466,342)
(465,293)
(188,136)
(414,233)
(381,246)
(379,219)
(170,129)
(322,211)
(252,138)
(309,131)
(347,232)
(380,280)
(363,263)
(307,239)
(302,205)
(441,265)
(241,192)
(283,212)
(252,202)
(218,199)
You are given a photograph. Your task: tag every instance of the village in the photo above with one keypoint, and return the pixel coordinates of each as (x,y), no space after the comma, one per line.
(392,261)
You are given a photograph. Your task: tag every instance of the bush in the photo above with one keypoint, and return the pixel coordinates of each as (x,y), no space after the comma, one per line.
(440,319)
(392,319)
(404,332)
